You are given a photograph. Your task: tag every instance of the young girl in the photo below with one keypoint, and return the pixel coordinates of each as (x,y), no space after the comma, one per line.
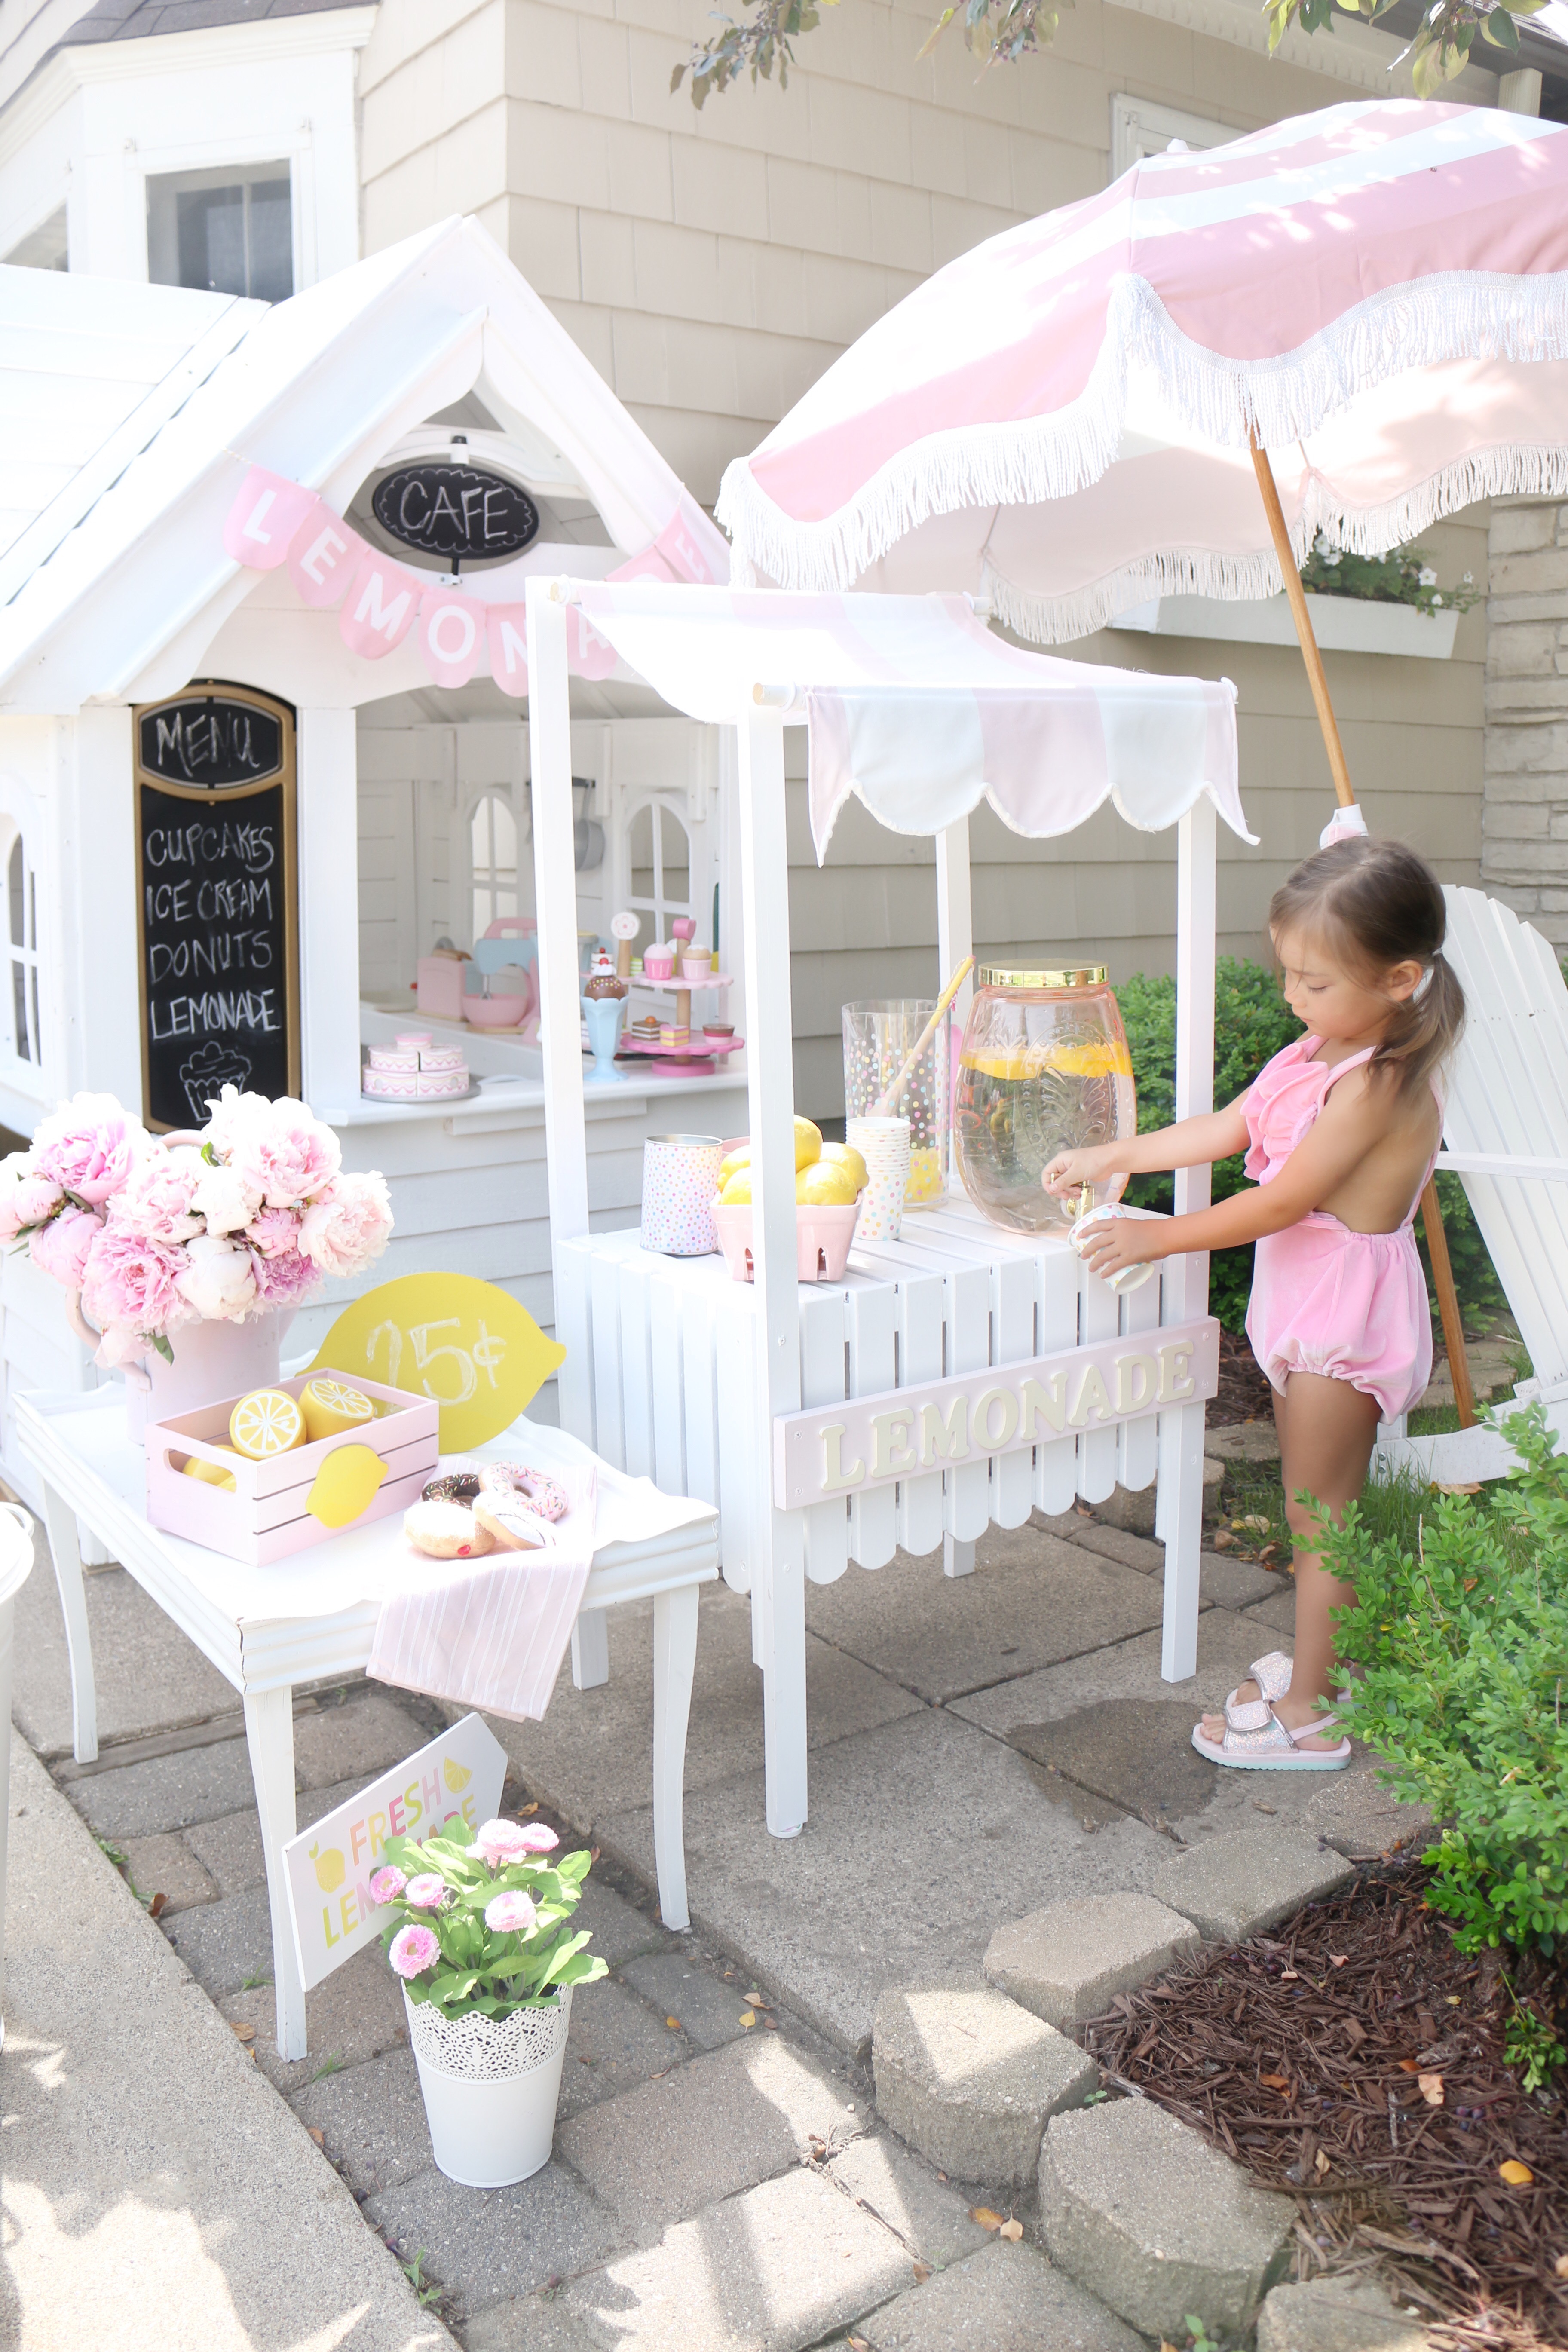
(1340,1130)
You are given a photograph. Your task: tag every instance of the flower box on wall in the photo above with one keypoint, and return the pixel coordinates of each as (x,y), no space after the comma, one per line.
(1348,624)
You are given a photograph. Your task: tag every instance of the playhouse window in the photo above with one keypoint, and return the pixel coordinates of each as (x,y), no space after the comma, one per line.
(492,839)
(658,854)
(22,927)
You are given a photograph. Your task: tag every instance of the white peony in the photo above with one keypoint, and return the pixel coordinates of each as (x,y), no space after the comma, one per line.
(224,1200)
(219,1279)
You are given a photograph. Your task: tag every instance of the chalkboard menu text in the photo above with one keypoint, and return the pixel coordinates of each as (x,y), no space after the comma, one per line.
(217,901)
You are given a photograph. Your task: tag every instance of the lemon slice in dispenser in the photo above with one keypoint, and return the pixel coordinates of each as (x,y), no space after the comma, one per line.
(265,1423)
(330,1406)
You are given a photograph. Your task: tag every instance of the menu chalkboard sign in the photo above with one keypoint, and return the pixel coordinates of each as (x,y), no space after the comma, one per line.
(217,898)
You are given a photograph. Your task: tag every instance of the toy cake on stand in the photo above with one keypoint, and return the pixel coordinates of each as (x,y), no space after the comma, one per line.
(414,1068)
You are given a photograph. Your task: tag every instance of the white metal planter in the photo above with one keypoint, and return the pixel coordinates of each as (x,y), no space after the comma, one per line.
(490,2086)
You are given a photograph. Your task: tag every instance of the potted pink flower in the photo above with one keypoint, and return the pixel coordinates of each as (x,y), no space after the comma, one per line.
(163,1238)
(481,1936)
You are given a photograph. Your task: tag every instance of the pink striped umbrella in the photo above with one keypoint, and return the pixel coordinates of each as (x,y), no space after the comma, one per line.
(1060,420)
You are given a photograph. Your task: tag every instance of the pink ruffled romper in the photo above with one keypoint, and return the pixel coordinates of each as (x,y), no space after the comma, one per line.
(1325,1299)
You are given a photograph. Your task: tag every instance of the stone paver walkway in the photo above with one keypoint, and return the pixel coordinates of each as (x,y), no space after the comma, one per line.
(980,1747)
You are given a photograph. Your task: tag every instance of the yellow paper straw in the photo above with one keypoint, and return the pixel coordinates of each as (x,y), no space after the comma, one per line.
(883,1106)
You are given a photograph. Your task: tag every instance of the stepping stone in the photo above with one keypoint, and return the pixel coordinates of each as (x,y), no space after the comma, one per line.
(1241,1885)
(1007,2299)
(970,2079)
(1070,1961)
(1336,2315)
(1156,2223)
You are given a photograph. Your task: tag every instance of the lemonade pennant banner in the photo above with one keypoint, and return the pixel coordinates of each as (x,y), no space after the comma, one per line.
(470,1347)
(453,1784)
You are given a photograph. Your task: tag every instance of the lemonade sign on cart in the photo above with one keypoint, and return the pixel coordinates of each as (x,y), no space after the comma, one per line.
(454,1783)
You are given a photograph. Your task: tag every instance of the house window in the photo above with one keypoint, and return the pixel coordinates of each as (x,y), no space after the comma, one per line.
(658,854)
(226,232)
(44,248)
(1139,129)
(492,848)
(21,999)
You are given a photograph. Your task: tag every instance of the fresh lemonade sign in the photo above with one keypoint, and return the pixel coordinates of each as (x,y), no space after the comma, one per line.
(454,1782)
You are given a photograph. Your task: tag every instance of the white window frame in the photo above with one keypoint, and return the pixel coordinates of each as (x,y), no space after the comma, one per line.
(25,1072)
(486,877)
(227,172)
(660,906)
(1139,129)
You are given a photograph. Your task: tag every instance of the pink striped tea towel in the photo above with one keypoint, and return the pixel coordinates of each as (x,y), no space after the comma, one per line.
(492,1633)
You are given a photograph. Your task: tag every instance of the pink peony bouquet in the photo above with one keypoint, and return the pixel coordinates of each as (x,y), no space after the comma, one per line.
(250,1215)
(484,1926)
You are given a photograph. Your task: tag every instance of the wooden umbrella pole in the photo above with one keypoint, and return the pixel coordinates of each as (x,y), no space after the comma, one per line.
(1431,1214)
(1338,767)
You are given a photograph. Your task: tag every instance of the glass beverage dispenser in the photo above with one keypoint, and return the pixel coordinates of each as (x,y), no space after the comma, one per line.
(1044,1068)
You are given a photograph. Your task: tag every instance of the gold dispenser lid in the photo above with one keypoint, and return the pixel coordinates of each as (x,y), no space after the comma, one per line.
(992,975)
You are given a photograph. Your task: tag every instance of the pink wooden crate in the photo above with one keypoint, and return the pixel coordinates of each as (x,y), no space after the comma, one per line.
(265,1518)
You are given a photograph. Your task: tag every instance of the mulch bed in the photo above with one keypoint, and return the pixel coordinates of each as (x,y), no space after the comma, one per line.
(1243,1393)
(1299,2053)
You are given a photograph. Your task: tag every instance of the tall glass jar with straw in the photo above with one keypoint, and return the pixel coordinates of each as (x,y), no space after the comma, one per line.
(878,1037)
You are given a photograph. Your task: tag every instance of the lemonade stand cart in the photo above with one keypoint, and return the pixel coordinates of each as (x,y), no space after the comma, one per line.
(962,1374)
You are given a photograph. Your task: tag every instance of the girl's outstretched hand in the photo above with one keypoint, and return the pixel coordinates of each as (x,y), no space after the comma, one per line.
(1071,1170)
(1105,1248)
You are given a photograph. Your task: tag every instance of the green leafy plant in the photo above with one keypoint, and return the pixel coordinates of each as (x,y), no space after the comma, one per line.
(1533,2046)
(1440,46)
(1198,2337)
(482,1926)
(1402,577)
(1463,1638)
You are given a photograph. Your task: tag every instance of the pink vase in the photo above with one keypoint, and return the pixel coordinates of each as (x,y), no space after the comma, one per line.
(212,1360)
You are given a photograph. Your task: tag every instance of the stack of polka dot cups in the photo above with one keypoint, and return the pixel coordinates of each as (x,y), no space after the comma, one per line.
(884,1145)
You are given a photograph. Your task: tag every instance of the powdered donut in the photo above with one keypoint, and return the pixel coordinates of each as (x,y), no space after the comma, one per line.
(446,1530)
(544,1497)
(452,1486)
(510,1522)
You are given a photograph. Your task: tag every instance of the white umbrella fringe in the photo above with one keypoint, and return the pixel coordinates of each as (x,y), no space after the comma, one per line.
(1450,316)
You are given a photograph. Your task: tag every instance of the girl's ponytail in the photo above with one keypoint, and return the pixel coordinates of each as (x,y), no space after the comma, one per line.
(1377,904)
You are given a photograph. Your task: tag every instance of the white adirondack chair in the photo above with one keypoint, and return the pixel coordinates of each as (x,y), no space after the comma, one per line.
(1506,1136)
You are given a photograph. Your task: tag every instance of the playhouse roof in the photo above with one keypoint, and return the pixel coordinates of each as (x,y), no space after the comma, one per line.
(136,412)
(916,708)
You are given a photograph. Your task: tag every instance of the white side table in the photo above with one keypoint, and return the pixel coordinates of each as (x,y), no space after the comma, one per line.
(266,1629)
(16,1567)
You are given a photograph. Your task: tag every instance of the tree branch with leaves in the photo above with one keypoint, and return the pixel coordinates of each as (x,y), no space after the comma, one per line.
(1004,32)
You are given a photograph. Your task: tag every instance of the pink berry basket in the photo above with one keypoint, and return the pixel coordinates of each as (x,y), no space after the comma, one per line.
(267,1518)
(823,1239)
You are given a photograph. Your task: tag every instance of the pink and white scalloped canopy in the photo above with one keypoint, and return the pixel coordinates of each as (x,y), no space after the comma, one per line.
(1059,419)
(915,706)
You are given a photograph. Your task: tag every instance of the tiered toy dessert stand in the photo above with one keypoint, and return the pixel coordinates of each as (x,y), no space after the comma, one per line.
(961,1374)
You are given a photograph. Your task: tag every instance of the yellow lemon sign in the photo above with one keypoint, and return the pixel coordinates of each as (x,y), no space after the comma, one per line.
(457,1777)
(328,1868)
(345,1484)
(480,1356)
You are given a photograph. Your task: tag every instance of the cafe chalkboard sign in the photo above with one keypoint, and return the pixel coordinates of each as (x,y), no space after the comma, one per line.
(460,512)
(216,900)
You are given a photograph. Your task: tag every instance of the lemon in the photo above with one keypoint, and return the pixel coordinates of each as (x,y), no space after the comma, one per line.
(848,1156)
(208,1471)
(737,1192)
(825,1184)
(330,1406)
(808,1143)
(740,1158)
(264,1422)
(345,1486)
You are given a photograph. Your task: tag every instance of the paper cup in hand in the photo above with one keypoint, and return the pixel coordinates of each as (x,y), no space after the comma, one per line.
(1126,1277)
(884,1145)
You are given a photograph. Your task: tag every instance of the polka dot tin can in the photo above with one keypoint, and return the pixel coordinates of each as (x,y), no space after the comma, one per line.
(679,1181)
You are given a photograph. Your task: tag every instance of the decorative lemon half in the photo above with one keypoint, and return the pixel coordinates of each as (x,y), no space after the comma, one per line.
(265,1423)
(209,1473)
(330,1406)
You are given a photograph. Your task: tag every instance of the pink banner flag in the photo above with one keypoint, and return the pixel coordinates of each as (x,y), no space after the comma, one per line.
(508,634)
(264,518)
(451,634)
(649,565)
(588,654)
(379,609)
(691,546)
(323,554)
